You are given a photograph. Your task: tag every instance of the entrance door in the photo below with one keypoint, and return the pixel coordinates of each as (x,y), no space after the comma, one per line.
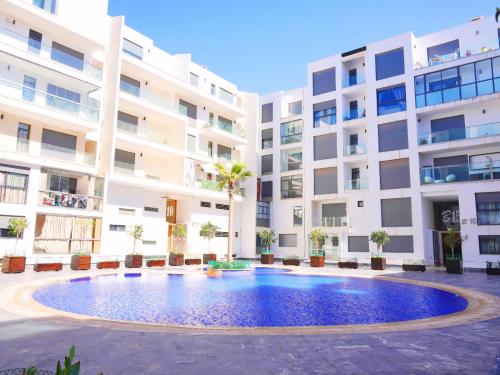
(332,248)
(171,218)
(353,109)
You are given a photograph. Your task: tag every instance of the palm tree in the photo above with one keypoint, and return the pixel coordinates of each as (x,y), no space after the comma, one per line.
(229,179)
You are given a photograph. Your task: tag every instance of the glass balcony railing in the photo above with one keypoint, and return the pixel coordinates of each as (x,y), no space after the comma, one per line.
(214,186)
(292,138)
(354,114)
(460,173)
(352,80)
(356,184)
(331,222)
(122,167)
(34,47)
(226,96)
(471,132)
(230,128)
(354,150)
(42,99)
(291,166)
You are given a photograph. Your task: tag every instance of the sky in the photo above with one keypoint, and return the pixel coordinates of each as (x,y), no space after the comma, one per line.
(264,45)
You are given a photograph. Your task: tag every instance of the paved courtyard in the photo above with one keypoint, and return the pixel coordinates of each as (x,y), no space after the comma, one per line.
(466,349)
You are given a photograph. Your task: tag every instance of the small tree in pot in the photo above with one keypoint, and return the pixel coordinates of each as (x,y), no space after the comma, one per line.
(317,256)
(134,260)
(380,238)
(208,231)
(176,256)
(452,239)
(81,259)
(267,237)
(14,263)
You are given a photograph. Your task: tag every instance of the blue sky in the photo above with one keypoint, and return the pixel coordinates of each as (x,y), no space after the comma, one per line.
(265,45)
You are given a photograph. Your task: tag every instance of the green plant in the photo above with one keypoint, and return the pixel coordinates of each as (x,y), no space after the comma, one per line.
(208,231)
(234,265)
(229,180)
(69,368)
(318,237)
(452,239)
(136,231)
(267,238)
(380,238)
(16,226)
(179,233)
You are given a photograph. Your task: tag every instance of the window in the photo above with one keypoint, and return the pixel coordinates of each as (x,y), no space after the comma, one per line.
(194,79)
(23,137)
(57,144)
(399,244)
(187,109)
(66,56)
(117,228)
(124,160)
(390,100)
(263,214)
(132,49)
(396,212)
(130,85)
(325,113)
(223,153)
(325,146)
(151,209)
(267,164)
(291,160)
(267,191)
(221,234)
(443,52)
(62,98)
(205,204)
(291,132)
(488,208)
(295,108)
(4,227)
(392,136)
(325,181)
(358,244)
(34,41)
(334,214)
(267,138)
(220,206)
(29,85)
(297,215)
(323,81)
(47,5)
(267,112)
(287,240)
(446,129)
(489,245)
(394,174)
(226,95)
(225,124)
(127,122)
(291,187)
(63,184)
(126,211)
(390,64)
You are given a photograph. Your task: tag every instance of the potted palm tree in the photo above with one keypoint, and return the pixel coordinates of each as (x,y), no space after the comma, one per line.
(380,238)
(317,255)
(81,259)
(268,238)
(208,231)
(15,263)
(229,180)
(454,263)
(176,256)
(134,260)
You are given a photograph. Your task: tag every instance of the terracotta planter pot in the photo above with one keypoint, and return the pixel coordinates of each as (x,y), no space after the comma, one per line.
(13,264)
(317,261)
(352,265)
(43,267)
(133,261)
(108,264)
(414,267)
(266,258)
(176,259)
(291,262)
(155,263)
(454,266)
(80,262)
(208,257)
(214,273)
(378,264)
(195,261)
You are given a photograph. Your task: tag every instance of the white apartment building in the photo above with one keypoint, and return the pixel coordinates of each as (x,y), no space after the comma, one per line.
(100,129)
(402,135)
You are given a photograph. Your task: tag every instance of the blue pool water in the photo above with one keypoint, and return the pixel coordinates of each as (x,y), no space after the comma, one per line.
(264,297)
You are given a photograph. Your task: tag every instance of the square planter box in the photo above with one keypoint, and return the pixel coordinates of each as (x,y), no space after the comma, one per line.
(291,262)
(108,264)
(454,266)
(414,267)
(348,264)
(133,261)
(214,273)
(43,267)
(378,264)
(176,259)
(155,263)
(80,262)
(492,271)
(317,261)
(193,261)
(209,257)
(266,258)
(13,264)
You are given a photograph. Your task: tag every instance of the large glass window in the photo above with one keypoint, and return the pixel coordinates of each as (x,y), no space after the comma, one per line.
(325,146)
(267,191)
(443,52)
(390,100)
(325,113)
(390,64)
(325,181)
(188,109)
(130,85)
(394,174)
(323,81)
(66,56)
(297,215)
(291,160)
(132,49)
(291,132)
(267,164)
(295,108)
(124,160)
(392,136)
(223,153)
(291,187)
(34,41)
(396,212)
(267,112)
(489,245)
(127,122)
(267,138)
(62,98)
(488,208)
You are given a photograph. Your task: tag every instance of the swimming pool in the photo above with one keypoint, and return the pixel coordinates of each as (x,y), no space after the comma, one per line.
(262,298)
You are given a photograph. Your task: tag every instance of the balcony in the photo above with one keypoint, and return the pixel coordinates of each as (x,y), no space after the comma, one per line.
(358,184)
(214,186)
(13,187)
(71,201)
(35,48)
(292,138)
(331,222)
(229,128)
(485,171)
(291,166)
(42,99)
(352,80)
(471,132)
(49,6)
(354,114)
(354,150)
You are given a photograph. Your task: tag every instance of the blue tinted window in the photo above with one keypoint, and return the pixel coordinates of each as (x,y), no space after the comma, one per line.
(324,81)
(390,64)
(391,100)
(326,116)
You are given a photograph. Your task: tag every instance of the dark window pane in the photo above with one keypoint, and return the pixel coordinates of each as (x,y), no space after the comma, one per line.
(390,64)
